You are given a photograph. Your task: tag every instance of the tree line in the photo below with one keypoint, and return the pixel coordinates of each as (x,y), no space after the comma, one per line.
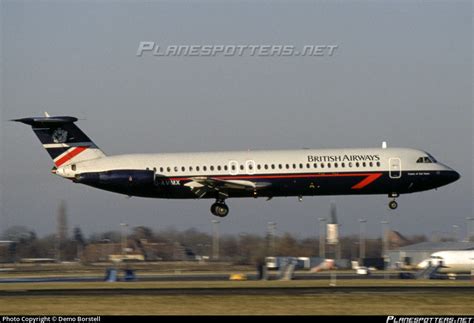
(242,248)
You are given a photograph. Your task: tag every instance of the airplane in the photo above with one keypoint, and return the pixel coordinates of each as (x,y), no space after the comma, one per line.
(223,175)
(450,262)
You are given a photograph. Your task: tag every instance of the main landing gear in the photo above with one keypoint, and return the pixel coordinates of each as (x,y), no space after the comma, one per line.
(393,203)
(219,208)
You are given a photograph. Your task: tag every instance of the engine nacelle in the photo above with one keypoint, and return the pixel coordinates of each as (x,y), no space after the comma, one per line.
(118,178)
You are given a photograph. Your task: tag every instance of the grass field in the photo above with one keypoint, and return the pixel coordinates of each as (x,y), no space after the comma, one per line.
(421,303)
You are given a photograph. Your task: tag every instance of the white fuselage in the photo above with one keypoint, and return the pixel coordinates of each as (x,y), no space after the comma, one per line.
(263,162)
(455,261)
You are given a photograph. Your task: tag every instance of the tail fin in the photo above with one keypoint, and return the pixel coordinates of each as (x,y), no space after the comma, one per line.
(62,139)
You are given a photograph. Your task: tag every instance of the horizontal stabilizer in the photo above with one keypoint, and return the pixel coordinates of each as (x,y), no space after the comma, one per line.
(38,121)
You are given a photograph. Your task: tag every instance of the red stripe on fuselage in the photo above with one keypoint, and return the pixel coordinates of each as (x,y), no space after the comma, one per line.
(366,181)
(73,153)
(369,177)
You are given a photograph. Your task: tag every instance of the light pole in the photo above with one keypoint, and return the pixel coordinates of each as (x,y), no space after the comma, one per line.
(124,238)
(362,240)
(455,232)
(470,228)
(242,237)
(271,233)
(384,241)
(322,241)
(215,239)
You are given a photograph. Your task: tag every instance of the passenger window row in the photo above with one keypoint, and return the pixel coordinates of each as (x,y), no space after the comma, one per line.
(250,166)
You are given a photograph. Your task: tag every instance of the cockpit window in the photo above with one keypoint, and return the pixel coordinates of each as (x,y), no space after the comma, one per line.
(433,160)
(425,160)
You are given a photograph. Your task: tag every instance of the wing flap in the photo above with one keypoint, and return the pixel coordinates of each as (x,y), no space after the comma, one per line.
(202,185)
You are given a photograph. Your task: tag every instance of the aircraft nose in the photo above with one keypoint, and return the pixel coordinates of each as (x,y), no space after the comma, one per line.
(452,176)
(455,176)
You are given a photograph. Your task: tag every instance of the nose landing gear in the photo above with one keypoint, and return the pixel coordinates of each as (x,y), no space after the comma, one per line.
(393,203)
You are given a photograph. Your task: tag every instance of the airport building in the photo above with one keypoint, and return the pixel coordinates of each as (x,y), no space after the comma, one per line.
(412,255)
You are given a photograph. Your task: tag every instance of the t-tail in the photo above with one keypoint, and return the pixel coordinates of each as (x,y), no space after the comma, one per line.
(62,139)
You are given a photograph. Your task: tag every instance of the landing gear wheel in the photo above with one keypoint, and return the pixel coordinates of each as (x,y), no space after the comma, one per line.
(213,208)
(219,209)
(393,205)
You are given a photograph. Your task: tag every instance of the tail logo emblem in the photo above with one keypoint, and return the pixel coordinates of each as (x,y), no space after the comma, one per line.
(59,136)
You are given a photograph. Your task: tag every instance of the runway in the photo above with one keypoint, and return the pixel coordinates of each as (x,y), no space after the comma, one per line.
(206,277)
(240,291)
(189,277)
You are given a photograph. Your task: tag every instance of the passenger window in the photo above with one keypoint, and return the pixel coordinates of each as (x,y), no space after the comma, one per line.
(343,165)
(350,164)
(204,168)
(329,165)
(363,164)
(175,168)
(273,166)
(190,168)
(225,167)
(197,168)
(308,165)
(279,166)
(357,164)
(218,167)
(265,166)
(168,169)
(371,164)
(315,165)
(287,166)
(234,167)
(183,168)
(259,166)
(322,165)
(241,167)
(335,165)
(301,165)
(73,167)
(161,169)
(294,166)
(212,167)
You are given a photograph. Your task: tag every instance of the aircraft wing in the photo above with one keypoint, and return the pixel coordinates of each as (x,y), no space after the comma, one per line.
(202,185)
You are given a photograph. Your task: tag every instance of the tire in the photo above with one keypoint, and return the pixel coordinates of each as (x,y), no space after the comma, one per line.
(393,205)
(222,210)
(213,208)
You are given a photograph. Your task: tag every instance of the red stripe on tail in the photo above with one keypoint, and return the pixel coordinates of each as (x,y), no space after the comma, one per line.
(73,153)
